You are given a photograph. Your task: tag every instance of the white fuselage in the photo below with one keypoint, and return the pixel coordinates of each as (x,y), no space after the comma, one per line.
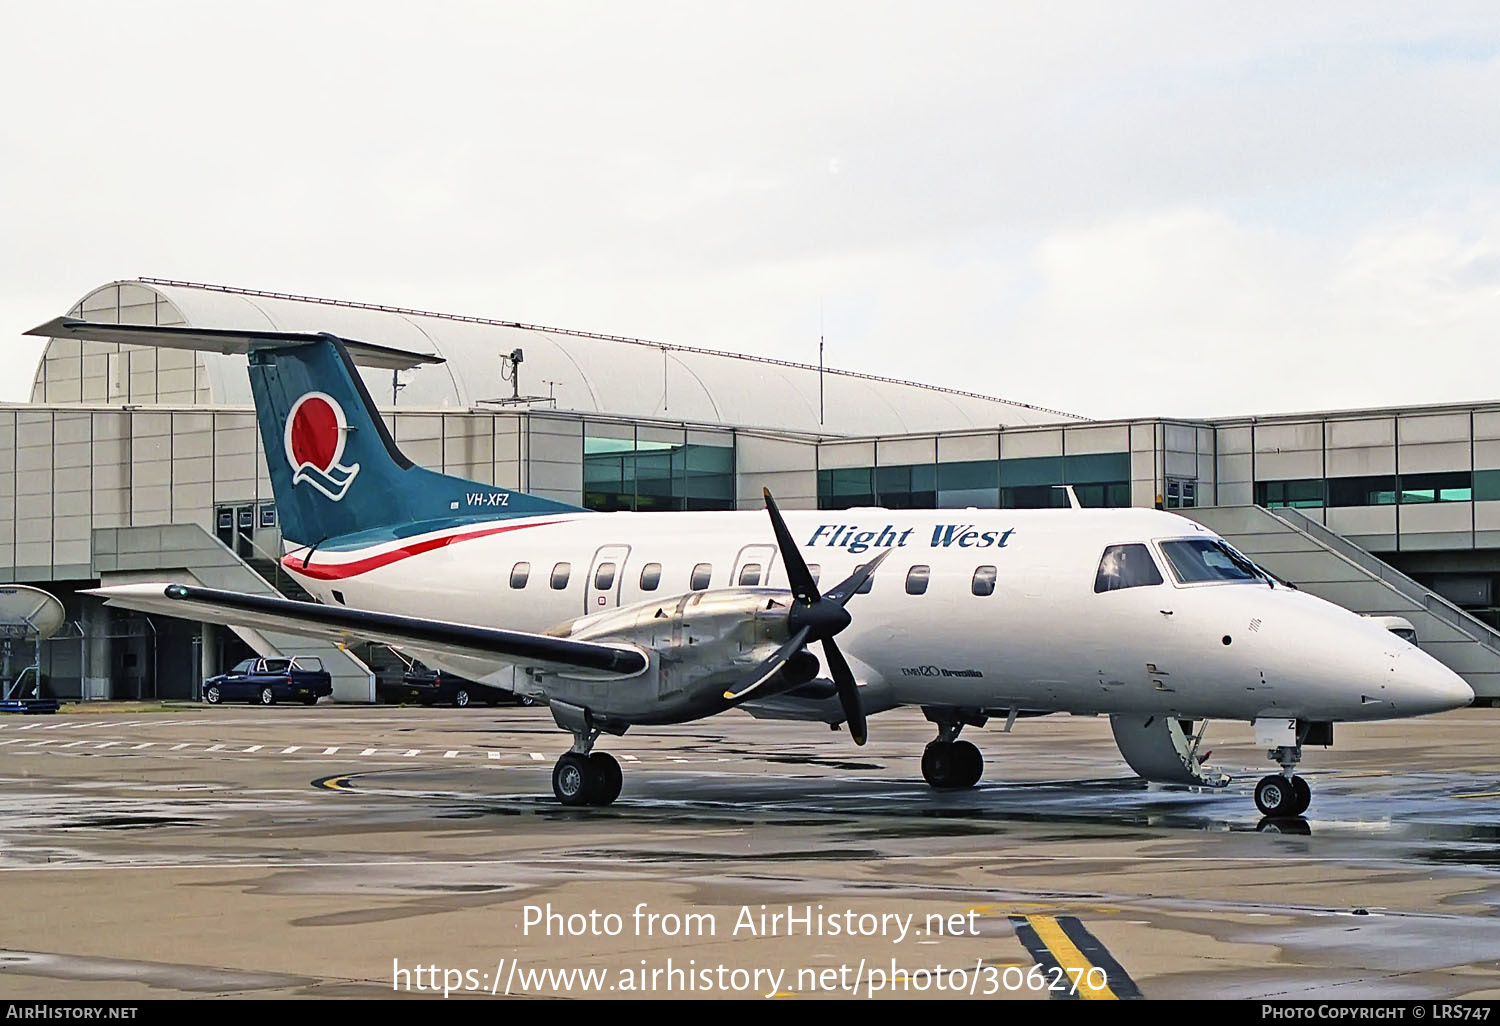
(1043,640)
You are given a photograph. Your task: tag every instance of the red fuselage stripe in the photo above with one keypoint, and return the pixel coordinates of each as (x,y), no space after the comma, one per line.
(340,571)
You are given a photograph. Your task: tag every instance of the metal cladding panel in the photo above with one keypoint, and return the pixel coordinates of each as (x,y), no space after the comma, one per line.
(1445,427)
(1082,441)
(838,455)
(1015,445)
(1237,468)
(968,448)
(1363,520)
(1286,466)
(906,450)
(1347,434)
(1435,516)
(1360,462)
(1288,437)
(1434,456)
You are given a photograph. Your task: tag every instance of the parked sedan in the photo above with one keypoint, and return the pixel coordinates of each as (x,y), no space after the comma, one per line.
(268,681)
(435,687)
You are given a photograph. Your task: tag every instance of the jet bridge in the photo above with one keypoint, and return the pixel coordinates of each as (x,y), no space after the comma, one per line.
(1324,563)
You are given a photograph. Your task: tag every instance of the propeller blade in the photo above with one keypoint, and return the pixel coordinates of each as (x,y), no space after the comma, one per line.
(798,575)
(842,592)
(843,677)
(768,669)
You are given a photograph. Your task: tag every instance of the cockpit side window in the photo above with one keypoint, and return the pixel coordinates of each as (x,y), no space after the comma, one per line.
(1200,560)
(1126,566)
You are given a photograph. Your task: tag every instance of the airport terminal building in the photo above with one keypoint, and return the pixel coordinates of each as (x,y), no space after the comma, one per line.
(137,463)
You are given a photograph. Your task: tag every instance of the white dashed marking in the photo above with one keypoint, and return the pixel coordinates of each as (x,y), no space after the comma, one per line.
(412,751)
(289,749)
(538,757)
(107,744)
(253,748)
(178,748)
(450,755)
(330,751)
(135,748)
(368,751)
(213,748)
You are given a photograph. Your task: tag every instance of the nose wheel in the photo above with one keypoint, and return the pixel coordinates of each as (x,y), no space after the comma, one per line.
(1279,796)
(952,765)
(593,779)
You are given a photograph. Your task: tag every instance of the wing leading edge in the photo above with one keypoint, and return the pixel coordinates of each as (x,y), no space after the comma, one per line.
(312,619)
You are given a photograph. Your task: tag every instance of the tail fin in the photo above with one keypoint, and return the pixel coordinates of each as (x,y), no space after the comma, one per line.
(335,469)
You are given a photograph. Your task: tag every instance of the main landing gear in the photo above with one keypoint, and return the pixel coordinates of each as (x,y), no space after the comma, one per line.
(949,764)
(1283,795)
(586,777)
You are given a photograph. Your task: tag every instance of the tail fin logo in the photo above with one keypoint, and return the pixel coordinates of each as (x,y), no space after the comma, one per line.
(315,432)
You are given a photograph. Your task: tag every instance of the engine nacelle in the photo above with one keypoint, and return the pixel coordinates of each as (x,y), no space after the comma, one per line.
(699,644)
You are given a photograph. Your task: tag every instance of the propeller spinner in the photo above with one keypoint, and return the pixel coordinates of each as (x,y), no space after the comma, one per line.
(814,617)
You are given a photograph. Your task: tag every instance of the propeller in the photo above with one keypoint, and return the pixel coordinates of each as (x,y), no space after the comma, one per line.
(814,617)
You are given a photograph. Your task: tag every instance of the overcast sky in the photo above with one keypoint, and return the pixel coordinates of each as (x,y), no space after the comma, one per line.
(1116,209)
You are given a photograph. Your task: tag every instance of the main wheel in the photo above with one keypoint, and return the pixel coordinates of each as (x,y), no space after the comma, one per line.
(211,694)
(939,763)
(461,698)
(607,778)
(968,765)
(1276,796)
(267,696)
(572,778)
(1303,793)
(309,699)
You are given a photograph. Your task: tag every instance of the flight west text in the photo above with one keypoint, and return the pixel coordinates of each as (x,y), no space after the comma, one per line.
(944,536)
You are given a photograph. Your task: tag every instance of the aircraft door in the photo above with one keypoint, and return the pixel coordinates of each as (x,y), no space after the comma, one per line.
(606,575)
(752,567)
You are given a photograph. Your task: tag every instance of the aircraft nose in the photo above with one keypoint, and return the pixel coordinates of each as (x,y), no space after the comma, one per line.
(1427,686)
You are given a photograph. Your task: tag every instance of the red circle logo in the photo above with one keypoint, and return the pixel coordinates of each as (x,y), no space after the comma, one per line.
(313,436)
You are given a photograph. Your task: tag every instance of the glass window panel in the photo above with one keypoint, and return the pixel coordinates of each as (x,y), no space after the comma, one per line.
(1195,560)
(1379,490)
(519,574)
(917,578)
(1126,566)
(650,576)
(749,575)
(604,577)
(1038,470)
(984,581)
(1096,468)
(560,574)
(702,574)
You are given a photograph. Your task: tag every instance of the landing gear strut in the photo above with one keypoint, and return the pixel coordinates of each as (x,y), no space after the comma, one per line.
(949,764)
(1284,794)
(586,777)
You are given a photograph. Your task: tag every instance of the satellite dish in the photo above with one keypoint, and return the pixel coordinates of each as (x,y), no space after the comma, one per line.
(26,610)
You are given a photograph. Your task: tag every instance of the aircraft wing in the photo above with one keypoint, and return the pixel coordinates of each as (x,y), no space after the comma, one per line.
(338,624)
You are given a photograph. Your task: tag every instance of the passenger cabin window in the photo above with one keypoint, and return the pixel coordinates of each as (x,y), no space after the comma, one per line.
(560,574)
(869,581)
(1126,566)
(702,574)
(604,577)
(650,576)
(519,574)
(984,581)
(1200,560)
(750,575)
(916,580)
(815,570)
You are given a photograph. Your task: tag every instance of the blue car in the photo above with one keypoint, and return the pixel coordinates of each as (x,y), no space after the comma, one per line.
(268,681)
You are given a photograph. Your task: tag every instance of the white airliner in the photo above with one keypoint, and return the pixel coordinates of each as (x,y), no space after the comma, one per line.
(619,619)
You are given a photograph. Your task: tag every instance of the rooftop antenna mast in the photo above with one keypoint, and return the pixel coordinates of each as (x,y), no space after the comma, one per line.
(820,363)
(510,370)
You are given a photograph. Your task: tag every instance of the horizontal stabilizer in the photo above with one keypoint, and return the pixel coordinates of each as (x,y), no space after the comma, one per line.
(226,340)
(342,625)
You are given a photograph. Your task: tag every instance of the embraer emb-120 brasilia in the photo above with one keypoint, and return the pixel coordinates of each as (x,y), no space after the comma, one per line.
(620,619)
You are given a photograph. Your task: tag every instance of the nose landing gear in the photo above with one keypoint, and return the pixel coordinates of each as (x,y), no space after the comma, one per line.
(949,764)
(1284,794)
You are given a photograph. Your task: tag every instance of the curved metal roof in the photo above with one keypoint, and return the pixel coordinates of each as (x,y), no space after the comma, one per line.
(581,372)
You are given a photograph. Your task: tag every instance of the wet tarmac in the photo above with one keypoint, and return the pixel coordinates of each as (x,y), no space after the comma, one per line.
(293,851)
